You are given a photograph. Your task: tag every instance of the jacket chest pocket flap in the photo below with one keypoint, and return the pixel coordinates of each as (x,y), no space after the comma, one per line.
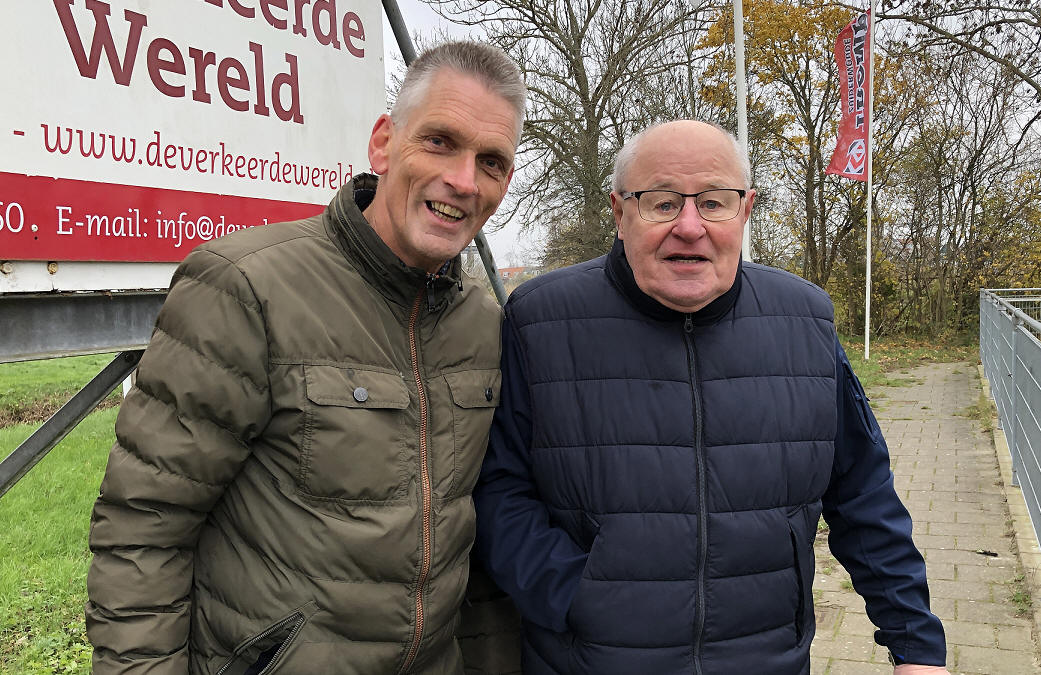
(475,394)
(354,441)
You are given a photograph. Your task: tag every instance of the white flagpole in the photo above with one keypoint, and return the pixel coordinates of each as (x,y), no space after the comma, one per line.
(742,107)
(870,143)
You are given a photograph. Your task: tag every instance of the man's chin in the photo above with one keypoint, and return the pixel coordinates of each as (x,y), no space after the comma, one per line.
(686,297)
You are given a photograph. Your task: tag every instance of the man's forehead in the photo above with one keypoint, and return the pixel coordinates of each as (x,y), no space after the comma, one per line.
(439,100)
(673,156)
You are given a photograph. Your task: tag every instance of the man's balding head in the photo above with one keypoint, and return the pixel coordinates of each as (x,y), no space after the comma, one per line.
(686,262)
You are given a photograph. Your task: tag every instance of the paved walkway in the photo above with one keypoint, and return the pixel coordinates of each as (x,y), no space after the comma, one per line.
(949,475)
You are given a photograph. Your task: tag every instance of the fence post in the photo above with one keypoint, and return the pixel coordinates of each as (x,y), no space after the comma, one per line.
(1013,445)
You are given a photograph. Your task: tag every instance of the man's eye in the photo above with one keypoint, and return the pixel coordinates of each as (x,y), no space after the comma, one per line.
(492,164)
(666,206)
(437,141)
(710,205)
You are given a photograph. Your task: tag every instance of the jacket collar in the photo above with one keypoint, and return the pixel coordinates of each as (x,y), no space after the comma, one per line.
(359,243)
(621,275)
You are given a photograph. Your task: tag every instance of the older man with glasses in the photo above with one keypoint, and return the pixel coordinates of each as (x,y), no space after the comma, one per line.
(673,423)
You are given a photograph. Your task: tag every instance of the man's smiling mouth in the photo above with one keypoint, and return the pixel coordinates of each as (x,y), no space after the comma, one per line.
(686,258)
(446,211)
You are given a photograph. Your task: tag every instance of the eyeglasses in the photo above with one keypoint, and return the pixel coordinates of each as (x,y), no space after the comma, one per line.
(663,206)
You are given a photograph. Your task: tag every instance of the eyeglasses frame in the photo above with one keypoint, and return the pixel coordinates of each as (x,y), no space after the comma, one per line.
(740,193)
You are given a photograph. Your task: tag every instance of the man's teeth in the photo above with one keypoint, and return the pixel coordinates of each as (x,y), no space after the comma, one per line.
(446,210)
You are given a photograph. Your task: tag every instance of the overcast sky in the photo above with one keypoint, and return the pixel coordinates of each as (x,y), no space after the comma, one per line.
(507,246)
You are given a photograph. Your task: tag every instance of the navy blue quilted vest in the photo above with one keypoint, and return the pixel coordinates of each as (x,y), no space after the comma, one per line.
(688,454)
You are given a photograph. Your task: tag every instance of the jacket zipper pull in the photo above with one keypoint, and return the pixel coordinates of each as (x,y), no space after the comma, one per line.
(430,292)
(688,325)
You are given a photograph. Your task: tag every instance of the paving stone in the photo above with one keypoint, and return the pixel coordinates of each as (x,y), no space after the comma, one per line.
(855,623)
(937,570)
(960,529)
(988,612)
(968,590)
(991,661)
(972,634)
(935,541)
(854,648)
(983,573)
(1014,637)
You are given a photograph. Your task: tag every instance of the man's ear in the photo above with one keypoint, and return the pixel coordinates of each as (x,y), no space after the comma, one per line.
(616,208)
(379,144)
(749,200)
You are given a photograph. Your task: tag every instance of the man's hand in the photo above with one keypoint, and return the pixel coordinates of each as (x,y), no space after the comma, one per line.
(911,669)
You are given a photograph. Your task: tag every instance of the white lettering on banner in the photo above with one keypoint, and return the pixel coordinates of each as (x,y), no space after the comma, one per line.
(12,218)
(860,29)
(185,228)
(201,228)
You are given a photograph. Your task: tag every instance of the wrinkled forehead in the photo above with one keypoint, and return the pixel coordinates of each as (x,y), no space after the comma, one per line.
(449,79)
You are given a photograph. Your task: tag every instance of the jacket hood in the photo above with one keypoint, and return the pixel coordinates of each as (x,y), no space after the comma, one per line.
(621,275)
(397,282)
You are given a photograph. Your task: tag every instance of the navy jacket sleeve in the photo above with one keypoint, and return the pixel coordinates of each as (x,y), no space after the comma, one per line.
(537,563)
(871,532)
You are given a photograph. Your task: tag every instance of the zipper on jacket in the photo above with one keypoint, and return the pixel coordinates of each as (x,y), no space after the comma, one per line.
(431,278)
(424,477)
(699,463)
(292,618)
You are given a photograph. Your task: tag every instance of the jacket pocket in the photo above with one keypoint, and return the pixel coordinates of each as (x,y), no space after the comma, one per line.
(803,562)
(475,395)
(578,617)
(860,400)
(262,653)
(354,434)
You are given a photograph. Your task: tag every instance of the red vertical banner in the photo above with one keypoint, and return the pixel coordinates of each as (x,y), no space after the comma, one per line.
(852,54)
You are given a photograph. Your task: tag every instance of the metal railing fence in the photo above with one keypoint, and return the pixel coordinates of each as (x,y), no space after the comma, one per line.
(1010,350)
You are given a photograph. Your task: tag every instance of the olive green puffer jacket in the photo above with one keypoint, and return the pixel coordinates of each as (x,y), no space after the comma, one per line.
(292,472)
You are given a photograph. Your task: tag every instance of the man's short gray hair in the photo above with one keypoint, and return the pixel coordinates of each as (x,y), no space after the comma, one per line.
(627,154)
(488,64)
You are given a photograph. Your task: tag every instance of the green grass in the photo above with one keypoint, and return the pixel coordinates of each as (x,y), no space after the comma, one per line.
(44,520)
(892,358)
(982,411)
(31,390)
(1019,595)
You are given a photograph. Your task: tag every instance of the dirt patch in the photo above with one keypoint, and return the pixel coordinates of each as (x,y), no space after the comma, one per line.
(39,410)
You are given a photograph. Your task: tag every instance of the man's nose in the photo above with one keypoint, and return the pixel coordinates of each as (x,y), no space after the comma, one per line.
(461,175)
(689,224)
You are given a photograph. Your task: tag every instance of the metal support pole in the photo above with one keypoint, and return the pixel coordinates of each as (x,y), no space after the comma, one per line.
(741,97)
(983,331)
(1013,433)
(36,447)
(868,188)
(408,52)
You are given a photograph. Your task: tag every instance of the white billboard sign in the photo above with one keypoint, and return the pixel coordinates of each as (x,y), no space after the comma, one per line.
(135,130)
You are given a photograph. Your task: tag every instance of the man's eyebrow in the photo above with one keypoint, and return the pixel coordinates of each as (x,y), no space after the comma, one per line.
(438,129)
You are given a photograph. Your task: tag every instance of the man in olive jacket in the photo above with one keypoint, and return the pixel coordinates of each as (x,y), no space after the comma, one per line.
(290,486)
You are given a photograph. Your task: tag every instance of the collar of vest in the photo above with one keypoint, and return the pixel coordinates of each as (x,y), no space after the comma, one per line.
(359,243)
(621,275)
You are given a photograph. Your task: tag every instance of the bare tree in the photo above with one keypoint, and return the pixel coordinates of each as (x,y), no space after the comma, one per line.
(1005,32)
(597,72)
